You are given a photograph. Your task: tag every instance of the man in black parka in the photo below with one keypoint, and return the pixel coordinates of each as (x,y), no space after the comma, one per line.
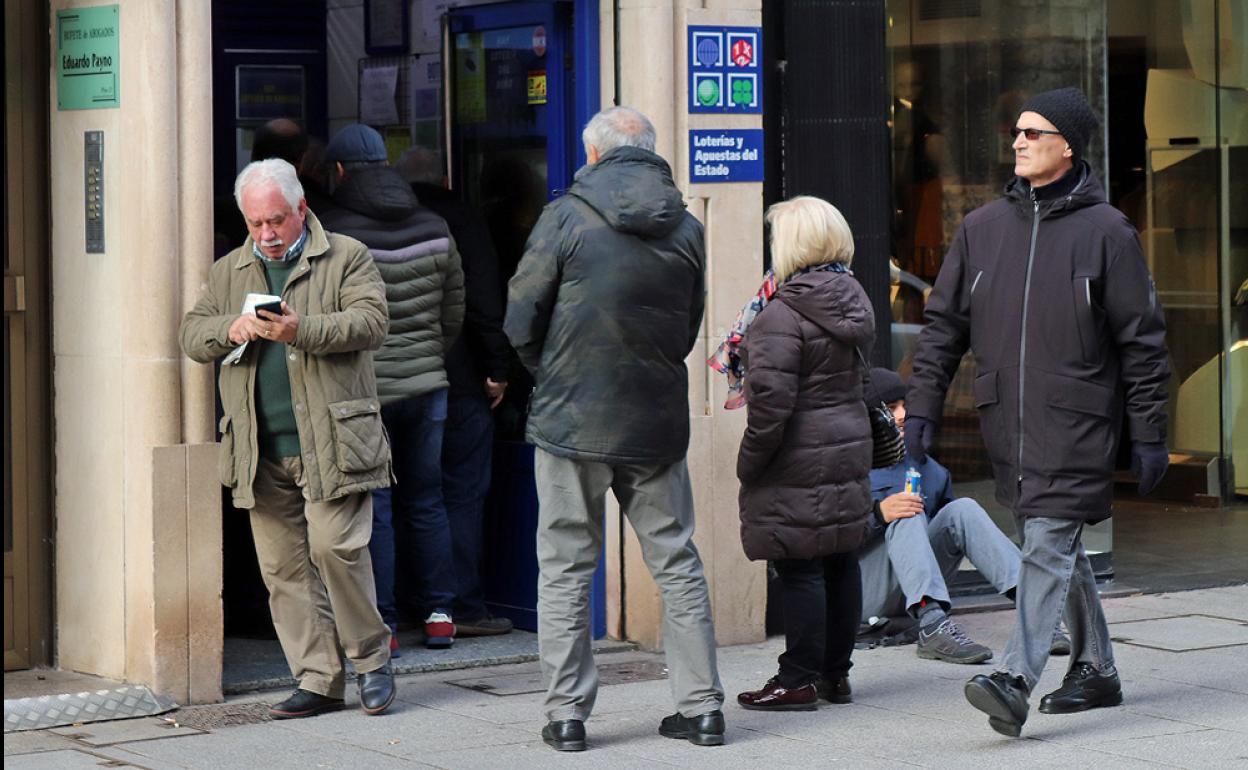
(1049,289)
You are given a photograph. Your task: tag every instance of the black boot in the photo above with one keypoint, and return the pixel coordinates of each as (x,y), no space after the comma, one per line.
(377,690)
(702,730)
(303,703)
(1083,688)
(1003,698)
(565,735)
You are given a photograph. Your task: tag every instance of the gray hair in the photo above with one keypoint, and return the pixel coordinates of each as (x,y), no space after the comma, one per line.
(618,127)
(271,171)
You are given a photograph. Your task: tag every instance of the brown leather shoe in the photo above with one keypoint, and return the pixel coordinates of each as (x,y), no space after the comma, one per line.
(773,697)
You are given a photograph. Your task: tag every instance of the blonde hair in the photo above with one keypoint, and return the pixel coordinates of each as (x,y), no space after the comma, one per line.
(807,231)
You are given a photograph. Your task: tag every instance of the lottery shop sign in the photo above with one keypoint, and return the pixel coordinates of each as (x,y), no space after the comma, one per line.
(725,69)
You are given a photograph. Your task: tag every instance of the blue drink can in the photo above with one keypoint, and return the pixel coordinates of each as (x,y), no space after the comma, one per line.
(914,482)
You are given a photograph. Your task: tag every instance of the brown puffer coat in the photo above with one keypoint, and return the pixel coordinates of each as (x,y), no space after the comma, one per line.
(806,454)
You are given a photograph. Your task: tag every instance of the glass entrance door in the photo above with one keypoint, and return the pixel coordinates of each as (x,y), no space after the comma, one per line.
(513,105)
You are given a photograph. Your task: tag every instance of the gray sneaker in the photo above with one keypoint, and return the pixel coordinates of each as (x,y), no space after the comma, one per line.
(950,643)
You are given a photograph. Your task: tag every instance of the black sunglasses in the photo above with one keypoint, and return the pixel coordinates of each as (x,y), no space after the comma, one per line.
(1032,134)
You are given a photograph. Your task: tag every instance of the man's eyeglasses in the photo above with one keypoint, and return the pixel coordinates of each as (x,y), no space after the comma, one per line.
(1032,134)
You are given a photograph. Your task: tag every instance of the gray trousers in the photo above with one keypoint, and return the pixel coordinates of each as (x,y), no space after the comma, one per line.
(658,502)
(916,557)
(1056,577)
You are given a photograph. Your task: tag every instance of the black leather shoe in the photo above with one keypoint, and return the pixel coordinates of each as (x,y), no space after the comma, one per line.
(1003,698)
(1083,688)
(702,730)
(835,689)
(565,735)
(377,690)
(303,703)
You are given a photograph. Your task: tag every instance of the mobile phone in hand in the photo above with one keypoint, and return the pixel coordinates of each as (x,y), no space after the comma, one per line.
(273,307)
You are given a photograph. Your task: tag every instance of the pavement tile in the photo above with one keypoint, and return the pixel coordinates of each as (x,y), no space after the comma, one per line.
(267,746)
(406,731)
(123,731)
(65,759)
(30,741)
(1186,703)
(1201,749)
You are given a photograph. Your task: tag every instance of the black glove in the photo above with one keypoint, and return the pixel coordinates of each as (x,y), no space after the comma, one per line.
(1148,462)
(919,434)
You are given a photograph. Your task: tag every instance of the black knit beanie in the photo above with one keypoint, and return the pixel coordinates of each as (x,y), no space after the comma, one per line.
(1067,109)
(887,385)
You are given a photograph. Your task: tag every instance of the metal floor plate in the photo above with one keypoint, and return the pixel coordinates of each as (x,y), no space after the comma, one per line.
(1181,633)
(531,682)
(79,708)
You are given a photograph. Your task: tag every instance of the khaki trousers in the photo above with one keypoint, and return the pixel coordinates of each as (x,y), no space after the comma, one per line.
(315,563)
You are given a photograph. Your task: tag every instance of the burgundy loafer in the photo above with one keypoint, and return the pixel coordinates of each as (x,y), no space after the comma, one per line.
(774,697)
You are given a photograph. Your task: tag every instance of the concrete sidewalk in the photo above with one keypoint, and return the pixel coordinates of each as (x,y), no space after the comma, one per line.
(1183,658)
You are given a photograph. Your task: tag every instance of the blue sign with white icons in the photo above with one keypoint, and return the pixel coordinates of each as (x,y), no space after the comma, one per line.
(725,69)
(726,155)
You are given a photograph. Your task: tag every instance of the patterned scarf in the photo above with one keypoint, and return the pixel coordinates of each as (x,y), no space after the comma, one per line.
(727,358)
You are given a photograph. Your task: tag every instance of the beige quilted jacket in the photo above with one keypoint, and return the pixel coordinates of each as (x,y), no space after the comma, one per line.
(341,301)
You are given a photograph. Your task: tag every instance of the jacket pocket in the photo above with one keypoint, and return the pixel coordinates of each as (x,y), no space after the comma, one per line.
(987,394)
(359,437)
(1078,431)
(1085,318)
(226,466)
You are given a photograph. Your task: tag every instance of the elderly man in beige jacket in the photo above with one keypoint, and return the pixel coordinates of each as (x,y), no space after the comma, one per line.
(302,443)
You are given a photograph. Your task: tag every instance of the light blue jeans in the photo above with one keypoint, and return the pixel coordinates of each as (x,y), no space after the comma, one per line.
(1056,576)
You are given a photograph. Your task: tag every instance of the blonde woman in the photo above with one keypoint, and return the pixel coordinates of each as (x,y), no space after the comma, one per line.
(806,454)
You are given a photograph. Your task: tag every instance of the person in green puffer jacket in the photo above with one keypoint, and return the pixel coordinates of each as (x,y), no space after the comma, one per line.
(420,266)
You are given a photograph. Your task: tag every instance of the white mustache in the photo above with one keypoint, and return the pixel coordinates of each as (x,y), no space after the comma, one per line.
(271,244)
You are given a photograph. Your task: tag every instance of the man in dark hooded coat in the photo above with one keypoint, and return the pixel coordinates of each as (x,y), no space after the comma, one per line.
(603,309)
(1049,289)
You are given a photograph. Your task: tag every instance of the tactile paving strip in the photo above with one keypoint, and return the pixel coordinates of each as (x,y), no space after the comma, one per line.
(82,707)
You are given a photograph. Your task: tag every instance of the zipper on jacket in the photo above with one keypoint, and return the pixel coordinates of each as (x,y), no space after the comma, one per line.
(1087,291)
(1022,344)
(975,282)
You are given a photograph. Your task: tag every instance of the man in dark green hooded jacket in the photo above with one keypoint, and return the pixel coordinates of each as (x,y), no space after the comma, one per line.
(605,306)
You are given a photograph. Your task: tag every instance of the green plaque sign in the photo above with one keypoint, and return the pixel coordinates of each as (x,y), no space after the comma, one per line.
(88,66)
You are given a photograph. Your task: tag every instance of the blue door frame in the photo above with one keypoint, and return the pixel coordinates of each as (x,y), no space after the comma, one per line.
(572,98)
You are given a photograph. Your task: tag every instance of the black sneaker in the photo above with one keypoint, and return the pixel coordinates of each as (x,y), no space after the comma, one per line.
(1083,688)
(702,730)
(948,642)
(303,703)
(1003,698)
(1061,643)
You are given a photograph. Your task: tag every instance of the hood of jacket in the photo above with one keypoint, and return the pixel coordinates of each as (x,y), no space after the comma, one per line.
(377,192)
(833,302)
(633,190)
(1088,192)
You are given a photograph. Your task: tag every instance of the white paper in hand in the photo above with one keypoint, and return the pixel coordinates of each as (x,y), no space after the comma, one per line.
(249,306)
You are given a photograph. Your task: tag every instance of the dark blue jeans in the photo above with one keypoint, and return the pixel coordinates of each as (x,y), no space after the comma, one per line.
(409,519)
(467,447)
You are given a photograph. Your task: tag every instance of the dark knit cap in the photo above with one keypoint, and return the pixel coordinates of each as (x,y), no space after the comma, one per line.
(356,143)
(887,385)
(1068,110)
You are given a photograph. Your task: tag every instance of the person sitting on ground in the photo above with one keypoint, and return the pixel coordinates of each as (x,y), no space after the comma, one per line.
(917,542)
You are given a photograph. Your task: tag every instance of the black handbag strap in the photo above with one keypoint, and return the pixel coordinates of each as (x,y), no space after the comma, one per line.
(867,387)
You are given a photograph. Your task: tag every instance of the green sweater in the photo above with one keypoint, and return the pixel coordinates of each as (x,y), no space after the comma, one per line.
(275,418)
